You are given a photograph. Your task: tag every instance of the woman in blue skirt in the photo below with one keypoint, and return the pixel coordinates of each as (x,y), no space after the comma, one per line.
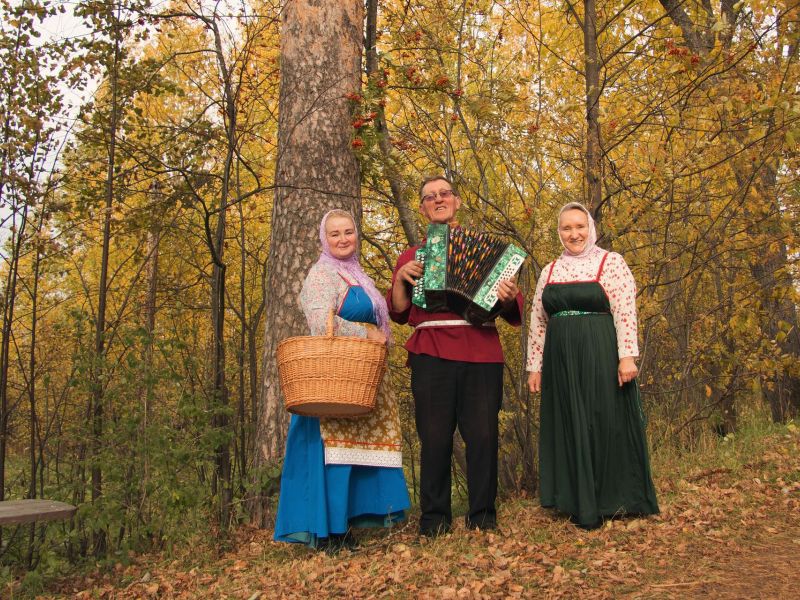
(342,473)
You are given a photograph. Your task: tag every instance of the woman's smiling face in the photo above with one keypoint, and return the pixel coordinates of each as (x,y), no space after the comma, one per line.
(342,237)
(573,227)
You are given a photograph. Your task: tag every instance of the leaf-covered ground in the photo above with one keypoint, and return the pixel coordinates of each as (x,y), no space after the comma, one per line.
(729,528)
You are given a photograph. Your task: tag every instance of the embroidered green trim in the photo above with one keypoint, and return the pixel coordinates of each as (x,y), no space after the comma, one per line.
(576,313)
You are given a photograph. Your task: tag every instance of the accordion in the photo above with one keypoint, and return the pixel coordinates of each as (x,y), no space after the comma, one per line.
(463,269)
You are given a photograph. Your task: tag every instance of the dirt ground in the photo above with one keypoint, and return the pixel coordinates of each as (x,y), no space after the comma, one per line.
(729,530)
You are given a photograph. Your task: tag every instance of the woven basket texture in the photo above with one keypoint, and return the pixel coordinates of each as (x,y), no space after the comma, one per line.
(330,376)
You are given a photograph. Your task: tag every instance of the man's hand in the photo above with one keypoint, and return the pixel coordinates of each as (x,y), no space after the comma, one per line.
(410,272)
(507,291)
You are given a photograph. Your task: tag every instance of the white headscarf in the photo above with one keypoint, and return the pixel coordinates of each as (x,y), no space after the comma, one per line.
(591,240)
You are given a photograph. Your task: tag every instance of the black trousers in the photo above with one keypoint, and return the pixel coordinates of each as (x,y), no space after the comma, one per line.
(449,393)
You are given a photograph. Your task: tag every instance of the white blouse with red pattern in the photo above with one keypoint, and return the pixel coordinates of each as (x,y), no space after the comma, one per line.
(616,280)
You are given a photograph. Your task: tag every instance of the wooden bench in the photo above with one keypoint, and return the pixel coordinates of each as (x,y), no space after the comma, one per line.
(28,511)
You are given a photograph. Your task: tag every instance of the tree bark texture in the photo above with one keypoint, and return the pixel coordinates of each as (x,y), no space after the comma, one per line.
(316,171)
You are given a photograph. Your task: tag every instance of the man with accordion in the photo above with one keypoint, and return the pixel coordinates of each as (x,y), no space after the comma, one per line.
(455,357)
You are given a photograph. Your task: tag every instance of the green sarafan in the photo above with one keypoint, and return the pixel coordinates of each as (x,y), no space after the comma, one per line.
(135,282)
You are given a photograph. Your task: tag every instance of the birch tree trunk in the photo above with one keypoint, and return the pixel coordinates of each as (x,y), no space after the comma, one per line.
(316,170)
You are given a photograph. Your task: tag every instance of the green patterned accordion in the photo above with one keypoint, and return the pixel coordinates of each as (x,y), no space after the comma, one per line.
(462,271)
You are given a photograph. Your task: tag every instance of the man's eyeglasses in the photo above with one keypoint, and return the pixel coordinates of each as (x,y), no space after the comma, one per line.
(443,194)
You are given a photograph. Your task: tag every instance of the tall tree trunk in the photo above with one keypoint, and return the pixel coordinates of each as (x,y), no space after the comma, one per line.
(772,270)
(725,382)
(220,421)
(146,391)
(9,300)
(8,294)
(33,422)
(6,297)
(98,381)
(240,359)
(779,321)
(321,46)
(592,74)
(252,357)
(222,460)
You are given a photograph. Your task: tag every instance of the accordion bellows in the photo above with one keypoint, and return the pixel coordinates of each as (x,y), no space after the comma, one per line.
(463,269)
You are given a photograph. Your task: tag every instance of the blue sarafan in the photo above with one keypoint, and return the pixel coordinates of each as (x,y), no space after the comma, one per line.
(463,269)
(320,498)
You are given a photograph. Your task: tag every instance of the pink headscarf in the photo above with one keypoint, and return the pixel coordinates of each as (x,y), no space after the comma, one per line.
(591,240)
(351,269)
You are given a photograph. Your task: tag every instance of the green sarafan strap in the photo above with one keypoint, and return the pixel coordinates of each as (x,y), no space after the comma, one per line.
(576,313)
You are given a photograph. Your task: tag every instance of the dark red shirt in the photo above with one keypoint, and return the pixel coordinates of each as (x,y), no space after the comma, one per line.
(467,343)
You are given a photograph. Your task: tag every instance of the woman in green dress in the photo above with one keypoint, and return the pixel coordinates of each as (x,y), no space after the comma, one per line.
(582,344)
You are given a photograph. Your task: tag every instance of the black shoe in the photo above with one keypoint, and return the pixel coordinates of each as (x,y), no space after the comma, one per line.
(433,531)
(483,520)
(485,526)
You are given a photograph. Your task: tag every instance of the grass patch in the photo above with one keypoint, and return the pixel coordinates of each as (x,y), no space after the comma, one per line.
(732,452)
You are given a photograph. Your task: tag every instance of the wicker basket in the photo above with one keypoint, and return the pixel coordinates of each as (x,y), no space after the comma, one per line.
(330,376)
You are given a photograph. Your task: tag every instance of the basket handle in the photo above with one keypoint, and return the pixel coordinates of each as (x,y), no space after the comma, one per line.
(329,324)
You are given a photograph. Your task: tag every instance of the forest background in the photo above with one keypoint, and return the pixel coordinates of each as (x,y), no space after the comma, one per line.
(156,233)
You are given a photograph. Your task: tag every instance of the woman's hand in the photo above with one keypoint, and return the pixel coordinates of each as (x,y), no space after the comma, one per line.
(410,272)
(627,370)
(535,381)
(376,334)
(507,291)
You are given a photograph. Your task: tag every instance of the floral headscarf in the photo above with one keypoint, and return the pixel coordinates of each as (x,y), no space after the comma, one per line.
(351,268)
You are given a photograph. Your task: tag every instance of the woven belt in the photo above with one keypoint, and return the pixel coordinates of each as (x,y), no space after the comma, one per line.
(452,323)
(576,313)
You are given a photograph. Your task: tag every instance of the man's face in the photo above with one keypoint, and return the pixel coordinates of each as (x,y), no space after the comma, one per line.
(439,204)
